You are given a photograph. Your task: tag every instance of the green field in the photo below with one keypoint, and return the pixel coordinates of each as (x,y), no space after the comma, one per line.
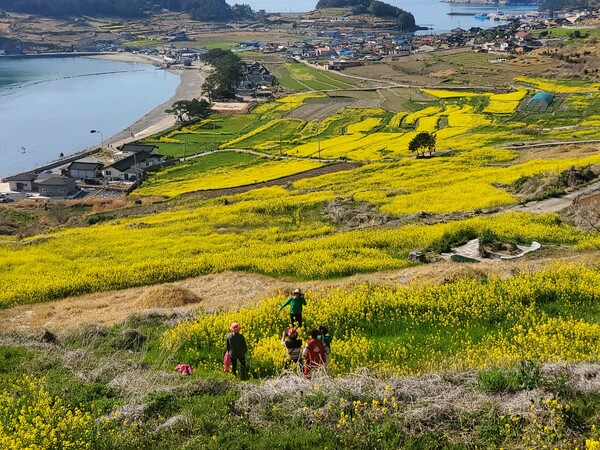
(300,77)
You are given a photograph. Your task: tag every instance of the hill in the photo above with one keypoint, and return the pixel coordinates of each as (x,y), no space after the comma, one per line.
(374,7)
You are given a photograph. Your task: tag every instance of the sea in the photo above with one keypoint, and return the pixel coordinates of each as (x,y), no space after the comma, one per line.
(432,14)
(50,106)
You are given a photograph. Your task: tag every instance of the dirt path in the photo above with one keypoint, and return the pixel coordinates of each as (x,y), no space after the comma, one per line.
(330,168)
(551,205)
(232,290)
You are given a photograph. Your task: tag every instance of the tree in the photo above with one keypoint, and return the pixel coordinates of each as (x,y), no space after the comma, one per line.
(228,71)
(185,110)
(422,141)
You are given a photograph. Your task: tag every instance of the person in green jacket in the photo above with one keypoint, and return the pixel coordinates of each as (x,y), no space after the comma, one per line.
(296,301)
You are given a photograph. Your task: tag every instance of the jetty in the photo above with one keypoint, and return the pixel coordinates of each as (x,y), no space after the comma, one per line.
(460,13)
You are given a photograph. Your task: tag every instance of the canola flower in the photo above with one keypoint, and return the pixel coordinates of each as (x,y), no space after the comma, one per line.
(262,231)
(441,93)
(30,418)
(364,126)
(560,86)
(422,327)
(505,103)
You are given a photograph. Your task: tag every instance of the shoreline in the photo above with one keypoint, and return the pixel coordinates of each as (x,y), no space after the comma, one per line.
(154,121)
(157,120)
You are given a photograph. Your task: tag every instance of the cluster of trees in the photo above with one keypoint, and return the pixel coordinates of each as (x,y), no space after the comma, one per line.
(228,70)
(423,141)
(204,10)
(552,5)
(186,110)
(375,7)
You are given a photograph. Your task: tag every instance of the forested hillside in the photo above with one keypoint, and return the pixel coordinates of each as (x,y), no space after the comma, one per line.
(374,7)
(199,9)
(571,4)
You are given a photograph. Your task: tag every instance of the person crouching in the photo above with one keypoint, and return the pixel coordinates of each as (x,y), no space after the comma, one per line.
(293,346)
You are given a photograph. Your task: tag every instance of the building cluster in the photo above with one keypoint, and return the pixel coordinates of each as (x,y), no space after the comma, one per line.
(256,81)
(127,165)
(338,44)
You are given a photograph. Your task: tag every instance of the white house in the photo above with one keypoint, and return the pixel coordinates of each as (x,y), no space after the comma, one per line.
(132,167)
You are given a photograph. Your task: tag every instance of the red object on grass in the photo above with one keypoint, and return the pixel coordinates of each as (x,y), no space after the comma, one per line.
(185,369)
(227,362)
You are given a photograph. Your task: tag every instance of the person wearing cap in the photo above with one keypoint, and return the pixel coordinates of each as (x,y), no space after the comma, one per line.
(237,348)
(293,346)
(296,301)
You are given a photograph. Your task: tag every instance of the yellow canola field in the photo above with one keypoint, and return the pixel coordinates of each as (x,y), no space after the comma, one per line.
(378,145)
(461,183)
(441,93)
(364,126)
(505,103)
(254,132)
(263,231)
(228,177)
(498,103)
(420,327)
(411,118)
(285,105)
(428,124)
(560,86)
(396,120)
(358,146)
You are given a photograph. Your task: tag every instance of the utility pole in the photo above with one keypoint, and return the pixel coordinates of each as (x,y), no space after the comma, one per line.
(319,137)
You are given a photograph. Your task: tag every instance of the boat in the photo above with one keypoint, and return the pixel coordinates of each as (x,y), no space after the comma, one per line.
(482,16)
(498,15)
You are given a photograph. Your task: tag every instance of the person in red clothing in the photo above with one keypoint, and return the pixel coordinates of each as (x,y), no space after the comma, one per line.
(313,353)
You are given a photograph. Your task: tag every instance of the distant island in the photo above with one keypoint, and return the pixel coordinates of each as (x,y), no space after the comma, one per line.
(498,2)
(376,8)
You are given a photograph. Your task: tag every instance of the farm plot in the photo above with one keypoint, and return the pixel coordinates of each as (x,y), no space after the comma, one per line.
(240,171)
(296,75)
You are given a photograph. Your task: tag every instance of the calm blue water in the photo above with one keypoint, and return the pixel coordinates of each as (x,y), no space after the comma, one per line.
(430,13)
(49,106)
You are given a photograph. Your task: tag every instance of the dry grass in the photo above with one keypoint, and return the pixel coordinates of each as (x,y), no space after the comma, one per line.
(166,296)
(427,403)
(557,151)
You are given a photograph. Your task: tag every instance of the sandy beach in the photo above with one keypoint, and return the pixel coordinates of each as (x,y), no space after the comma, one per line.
(158,120)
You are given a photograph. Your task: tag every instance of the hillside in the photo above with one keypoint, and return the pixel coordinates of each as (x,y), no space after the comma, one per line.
(375,8)
(446,333)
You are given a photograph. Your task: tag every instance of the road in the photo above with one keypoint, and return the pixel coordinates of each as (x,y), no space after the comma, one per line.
(551,205)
